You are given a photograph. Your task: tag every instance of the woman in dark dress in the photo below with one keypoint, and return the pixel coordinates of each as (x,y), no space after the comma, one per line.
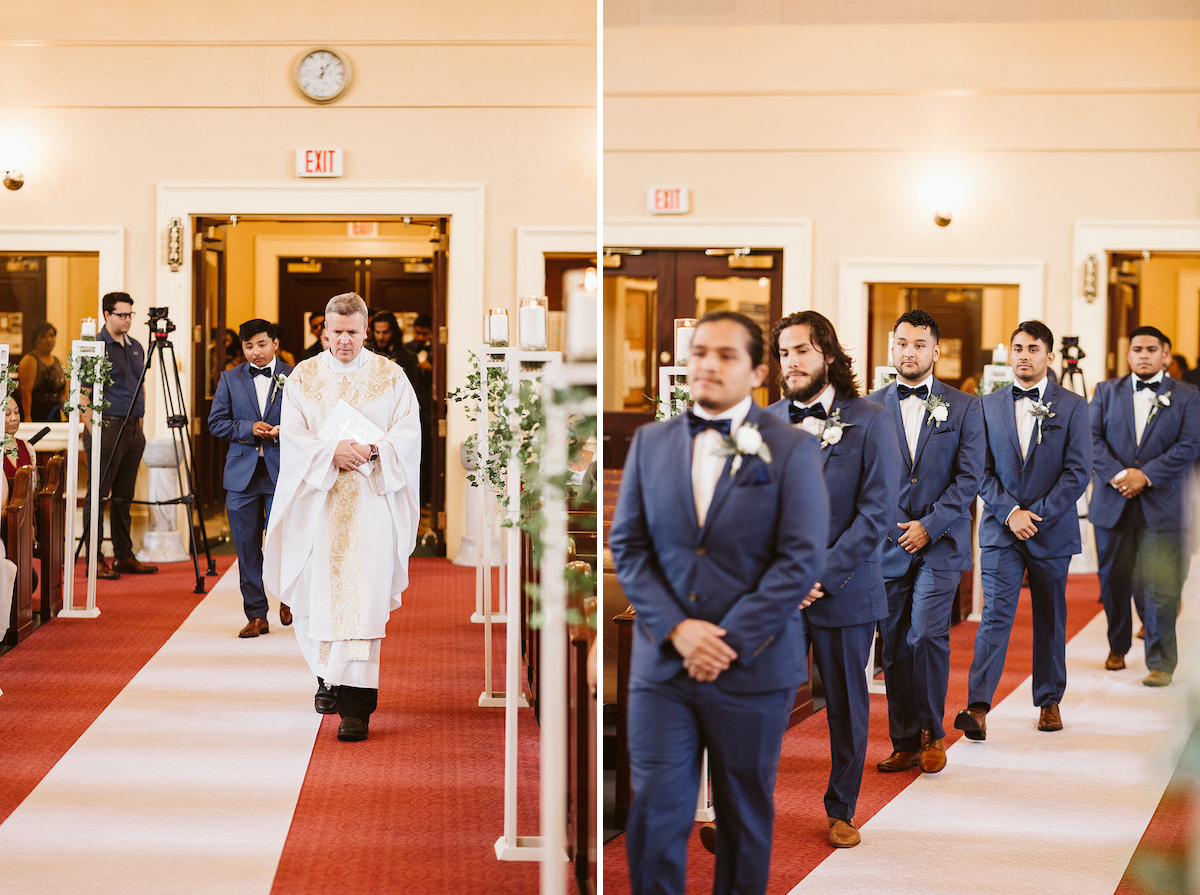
(43,379)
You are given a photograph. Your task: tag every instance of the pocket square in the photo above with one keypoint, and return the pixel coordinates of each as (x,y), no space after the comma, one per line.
(756,475)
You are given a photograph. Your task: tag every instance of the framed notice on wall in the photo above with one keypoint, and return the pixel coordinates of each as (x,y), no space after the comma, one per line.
(949,364)
(12,332)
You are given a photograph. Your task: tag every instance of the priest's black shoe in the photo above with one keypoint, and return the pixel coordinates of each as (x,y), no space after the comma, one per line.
(325,702)
(352,730)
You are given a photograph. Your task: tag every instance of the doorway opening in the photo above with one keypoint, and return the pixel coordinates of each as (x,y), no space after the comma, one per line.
(645,291)
(1159,289)
(284,269)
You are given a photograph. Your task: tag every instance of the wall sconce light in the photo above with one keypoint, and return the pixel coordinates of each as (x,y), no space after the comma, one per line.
(1090,267)
(12,153)
(175,244)
(939,195)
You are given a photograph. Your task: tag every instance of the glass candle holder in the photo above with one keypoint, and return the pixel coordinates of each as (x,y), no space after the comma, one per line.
(495,328)
(583,324)
(685,328)
(531,322)
(88,329)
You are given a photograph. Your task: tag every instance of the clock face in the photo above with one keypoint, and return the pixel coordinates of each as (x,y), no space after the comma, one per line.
(322,75)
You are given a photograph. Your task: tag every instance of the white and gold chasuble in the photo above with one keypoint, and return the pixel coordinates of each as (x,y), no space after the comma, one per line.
(338,541)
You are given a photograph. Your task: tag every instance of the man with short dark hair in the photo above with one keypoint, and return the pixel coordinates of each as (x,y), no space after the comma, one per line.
(1039,458)
(941,447)
(246,410)
(122,440)
(861,464)
(720,524)
(1145,432)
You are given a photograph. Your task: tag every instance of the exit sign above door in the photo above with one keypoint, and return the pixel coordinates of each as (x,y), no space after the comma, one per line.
(323,162)
(667,200)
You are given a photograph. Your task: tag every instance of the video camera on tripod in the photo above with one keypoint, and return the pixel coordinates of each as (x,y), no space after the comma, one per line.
(160,324)
(1072,354)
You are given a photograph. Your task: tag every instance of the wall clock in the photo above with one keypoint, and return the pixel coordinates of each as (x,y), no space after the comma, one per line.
(321,75)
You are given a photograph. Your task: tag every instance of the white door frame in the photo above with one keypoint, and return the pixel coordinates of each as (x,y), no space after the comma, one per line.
(1090,316)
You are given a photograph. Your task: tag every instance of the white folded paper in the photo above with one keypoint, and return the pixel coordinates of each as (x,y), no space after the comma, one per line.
(347,424)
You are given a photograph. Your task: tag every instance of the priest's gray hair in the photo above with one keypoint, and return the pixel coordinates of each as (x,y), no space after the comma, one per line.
(347,304)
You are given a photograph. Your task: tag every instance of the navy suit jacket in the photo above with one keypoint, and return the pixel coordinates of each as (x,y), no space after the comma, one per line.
(1168,448)
(233,415)
(759,551)
(1050,480)
(939,483)
(862,475)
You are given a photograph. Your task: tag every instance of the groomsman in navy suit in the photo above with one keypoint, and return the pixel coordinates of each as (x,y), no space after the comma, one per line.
(1039,459)
(1145,435)
(861,463)
(715,535)
(941,449)
(246,410)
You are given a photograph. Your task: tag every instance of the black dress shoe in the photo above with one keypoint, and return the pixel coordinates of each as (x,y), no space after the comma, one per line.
(325,702)
(352,730)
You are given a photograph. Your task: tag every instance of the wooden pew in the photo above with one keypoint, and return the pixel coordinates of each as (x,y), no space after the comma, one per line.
(52,509)
(18,543)
(581,738)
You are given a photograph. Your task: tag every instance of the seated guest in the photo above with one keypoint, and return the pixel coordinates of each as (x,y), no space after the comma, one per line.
(43,379)
(20,453)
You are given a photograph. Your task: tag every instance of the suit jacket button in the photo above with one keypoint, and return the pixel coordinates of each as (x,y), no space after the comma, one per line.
(913,480)
(700,551)
(692,597)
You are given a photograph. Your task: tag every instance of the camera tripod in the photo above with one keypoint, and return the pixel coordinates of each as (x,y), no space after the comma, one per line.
(1070,373)
(177,421)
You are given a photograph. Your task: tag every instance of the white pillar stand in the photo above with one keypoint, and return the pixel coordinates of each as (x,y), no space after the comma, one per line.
(162,542)
(705,812)
(479,522)
(81,348)
(510,846)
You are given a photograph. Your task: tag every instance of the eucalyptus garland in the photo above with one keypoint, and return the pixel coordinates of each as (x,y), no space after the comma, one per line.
(681,399)
(8,382)
(90,369)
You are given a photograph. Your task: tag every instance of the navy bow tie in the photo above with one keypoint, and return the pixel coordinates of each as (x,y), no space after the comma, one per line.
(800,414)
(904,391)
(696,425)
(1153,386)
(259,371)
(1031,394)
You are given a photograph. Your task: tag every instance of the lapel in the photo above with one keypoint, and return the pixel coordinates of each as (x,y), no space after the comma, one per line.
(725,481)
(927,427)
(1008,416)
(680,445)
(1124,403)
(1149,430)
(1049,396)
(248,383)
(274,394)
(891,400)
(838,404)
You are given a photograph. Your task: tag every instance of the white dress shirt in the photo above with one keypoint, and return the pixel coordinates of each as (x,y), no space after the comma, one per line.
(912,412)
(262,386)
(1143,399)
(1023,408)
(812,425)
(706,462)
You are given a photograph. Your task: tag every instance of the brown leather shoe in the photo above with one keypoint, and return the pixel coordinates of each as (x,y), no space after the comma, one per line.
(900,760)
(708,837)
(134,566)
(843,833)
(254,627)
(933,753)
(1114,662)
(1049,718)
(1157,678)
(105,571)
(285,615)
(972,721)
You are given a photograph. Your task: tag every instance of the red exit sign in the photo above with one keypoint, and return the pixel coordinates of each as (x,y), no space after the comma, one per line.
(319,162)
(667,200)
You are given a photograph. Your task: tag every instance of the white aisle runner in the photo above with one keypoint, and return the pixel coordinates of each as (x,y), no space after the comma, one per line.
(188,781)
(1032,812)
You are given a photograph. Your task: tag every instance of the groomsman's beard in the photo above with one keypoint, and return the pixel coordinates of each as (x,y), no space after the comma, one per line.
(918,376)
(806,393)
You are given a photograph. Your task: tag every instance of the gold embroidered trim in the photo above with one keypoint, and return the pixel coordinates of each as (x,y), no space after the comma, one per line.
(345,554)
(325,645)
(358,650)
(324,386)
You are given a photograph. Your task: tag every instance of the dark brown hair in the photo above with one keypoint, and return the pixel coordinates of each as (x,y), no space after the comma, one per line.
(824,339)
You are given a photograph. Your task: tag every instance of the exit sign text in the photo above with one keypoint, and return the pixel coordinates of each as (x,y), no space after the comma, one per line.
(667,200)
(319,162)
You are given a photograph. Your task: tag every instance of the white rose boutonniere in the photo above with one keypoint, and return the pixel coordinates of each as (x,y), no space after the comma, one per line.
(276,386)
(744,441)
(1157,403)
(937,411)
(832,433)
(1041,411)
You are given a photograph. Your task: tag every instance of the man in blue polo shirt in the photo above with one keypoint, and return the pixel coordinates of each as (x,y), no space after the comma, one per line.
(121,447)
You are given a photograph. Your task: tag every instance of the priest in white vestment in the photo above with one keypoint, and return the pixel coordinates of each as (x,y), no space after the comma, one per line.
(346,509)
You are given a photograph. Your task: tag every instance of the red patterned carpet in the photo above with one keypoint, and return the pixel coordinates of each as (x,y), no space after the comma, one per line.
(800,826)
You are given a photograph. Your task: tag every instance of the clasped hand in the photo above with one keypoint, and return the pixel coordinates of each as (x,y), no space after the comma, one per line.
(264,430)
(1131,484)
(705,654)
(915,536)
(350,454)
(1021,524)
